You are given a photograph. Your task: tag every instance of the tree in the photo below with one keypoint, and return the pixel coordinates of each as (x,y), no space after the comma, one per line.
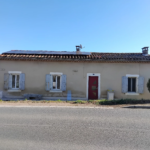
(148,85)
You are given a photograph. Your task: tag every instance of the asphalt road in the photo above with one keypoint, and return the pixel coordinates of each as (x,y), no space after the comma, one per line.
(74,129)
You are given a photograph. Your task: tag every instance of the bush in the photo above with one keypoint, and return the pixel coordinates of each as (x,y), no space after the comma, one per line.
(148,85)
(120,101)
(95,101)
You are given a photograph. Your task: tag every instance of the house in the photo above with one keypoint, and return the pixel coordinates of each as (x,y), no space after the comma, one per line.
(87,75)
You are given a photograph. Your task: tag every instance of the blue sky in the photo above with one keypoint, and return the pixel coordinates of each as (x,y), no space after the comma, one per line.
(59,25)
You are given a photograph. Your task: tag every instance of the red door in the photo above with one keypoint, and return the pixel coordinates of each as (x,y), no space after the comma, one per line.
(93,87)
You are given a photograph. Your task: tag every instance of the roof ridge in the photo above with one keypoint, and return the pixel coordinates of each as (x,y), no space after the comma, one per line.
(74,51)
(115,53)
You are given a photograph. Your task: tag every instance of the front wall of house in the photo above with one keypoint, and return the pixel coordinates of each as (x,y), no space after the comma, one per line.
(110,76)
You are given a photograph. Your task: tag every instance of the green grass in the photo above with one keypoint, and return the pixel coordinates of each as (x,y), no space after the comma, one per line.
(59,100)
(80,102)
(90,101)
(118,101)
(121,101)
(95,102)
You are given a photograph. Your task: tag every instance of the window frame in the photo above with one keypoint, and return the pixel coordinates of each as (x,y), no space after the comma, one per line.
(133,76)
(57,74)
(15,81)
(132,87)
(15,73)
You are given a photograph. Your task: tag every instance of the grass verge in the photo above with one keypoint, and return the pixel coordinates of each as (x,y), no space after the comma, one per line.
(95,102)
(122,101)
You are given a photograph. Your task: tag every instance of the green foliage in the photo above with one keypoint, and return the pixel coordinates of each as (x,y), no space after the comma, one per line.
(148,85)
(90,101)
(120,101)
(96,101)
(80,102)
(59,100)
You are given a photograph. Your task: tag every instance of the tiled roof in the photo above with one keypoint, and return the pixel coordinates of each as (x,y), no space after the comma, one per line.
(96,57)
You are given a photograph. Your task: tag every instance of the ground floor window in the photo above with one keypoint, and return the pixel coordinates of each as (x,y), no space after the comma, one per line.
(56,82)
(15,81)
(132,84)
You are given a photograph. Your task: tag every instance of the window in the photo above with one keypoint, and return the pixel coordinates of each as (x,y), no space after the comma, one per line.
(56,79)
(56,82)
(15,81)
(132,84)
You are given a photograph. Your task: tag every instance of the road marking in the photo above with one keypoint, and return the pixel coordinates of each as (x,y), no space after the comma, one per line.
(57,107)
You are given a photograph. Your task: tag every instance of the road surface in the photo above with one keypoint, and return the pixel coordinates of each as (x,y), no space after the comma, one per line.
(47,128)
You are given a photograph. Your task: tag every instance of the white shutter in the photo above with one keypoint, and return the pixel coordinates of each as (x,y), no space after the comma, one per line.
(10,81)
(22,81)
(48,82)
(140,84)
(6,81)
(124,84)
(63,82)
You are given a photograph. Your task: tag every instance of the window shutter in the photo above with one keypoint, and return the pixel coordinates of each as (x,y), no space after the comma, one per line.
(48,82)
(10,81)
(63,82)
(124,84)
(6,81)
(22,81)
(140,84)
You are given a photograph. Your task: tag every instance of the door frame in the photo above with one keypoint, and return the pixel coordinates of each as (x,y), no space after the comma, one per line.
(87,84)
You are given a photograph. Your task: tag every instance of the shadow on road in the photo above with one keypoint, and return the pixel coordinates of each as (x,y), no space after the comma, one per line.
(134,107)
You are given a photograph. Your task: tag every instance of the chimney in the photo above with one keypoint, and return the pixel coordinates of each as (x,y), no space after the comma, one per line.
(78,47)
(145,51)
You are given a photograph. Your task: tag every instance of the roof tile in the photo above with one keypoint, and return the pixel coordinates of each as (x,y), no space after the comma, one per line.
(101,57)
